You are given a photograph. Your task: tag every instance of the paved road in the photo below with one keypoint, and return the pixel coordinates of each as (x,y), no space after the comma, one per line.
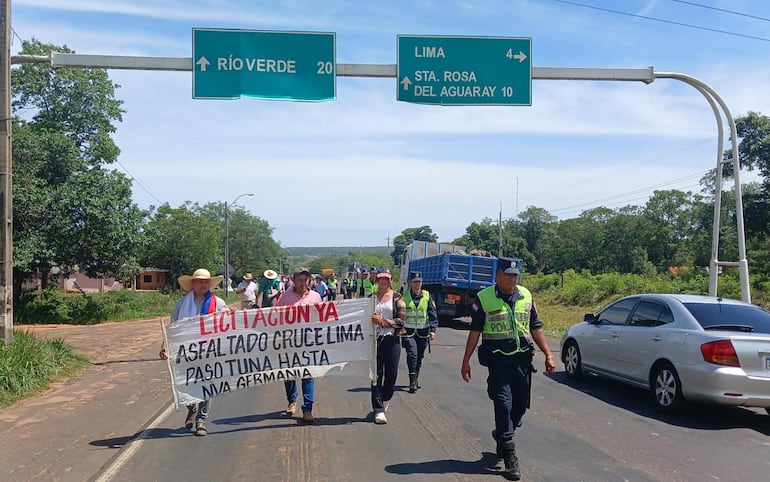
(576,431)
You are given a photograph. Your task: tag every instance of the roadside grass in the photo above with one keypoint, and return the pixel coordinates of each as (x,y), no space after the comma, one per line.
(30,364)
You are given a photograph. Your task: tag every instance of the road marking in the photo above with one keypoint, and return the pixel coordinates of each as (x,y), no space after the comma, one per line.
(133,446)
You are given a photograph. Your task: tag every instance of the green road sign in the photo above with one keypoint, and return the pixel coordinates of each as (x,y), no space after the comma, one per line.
(228,64)
(464,70)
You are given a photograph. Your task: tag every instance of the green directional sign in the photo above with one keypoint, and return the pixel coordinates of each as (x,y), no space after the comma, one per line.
(450,70)
(228,64)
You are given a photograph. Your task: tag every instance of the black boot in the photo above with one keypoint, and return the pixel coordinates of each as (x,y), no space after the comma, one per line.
(412,383)
(498,447)
(417,380)
(511,461)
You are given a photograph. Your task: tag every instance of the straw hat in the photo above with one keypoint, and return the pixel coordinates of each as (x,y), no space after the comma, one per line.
(248,277)
(186,281)
(270,274)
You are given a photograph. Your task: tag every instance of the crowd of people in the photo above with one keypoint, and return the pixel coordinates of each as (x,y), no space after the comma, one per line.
(504,319)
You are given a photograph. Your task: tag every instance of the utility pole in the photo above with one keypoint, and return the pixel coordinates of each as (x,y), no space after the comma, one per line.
(500,240)
(6,168)
(227,242)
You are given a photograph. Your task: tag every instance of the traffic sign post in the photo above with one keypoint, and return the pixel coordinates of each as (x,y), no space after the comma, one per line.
(449,70)
(228,64)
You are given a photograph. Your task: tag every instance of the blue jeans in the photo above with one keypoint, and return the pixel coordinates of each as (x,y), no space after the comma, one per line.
(308,393)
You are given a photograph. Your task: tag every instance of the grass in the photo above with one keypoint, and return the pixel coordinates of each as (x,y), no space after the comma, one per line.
(30,364)
(557,317)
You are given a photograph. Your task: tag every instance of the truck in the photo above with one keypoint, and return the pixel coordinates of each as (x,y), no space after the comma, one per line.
(451,275)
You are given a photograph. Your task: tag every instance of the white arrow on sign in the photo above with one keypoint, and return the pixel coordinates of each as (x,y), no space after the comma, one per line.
(203,62)
(521,56)
(406,83)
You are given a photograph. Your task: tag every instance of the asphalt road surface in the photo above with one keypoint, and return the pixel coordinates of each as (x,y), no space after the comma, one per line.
(591,430)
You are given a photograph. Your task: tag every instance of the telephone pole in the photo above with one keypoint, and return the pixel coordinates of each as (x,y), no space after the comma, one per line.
(6,181)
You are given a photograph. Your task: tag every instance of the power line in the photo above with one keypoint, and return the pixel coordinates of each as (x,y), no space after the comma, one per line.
(625,168)
(681,24)
(722,10)
(134,179)
(631,193)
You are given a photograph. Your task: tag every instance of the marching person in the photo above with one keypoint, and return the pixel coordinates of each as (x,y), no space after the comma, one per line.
(389,315)
(503,315)
(300,294)
(420,327)
(269,288)
(199,300)
(248,291)
(364,286)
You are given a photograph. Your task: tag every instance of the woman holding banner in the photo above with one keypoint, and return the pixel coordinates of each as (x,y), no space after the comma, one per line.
(389,315)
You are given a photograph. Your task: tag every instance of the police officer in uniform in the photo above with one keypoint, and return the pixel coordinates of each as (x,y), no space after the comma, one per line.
(419,328)
(503,316)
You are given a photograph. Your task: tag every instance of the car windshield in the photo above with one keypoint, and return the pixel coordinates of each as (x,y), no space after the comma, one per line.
(717,316)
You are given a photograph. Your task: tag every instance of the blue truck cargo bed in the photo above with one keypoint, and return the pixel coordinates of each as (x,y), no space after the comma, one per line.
(456,270)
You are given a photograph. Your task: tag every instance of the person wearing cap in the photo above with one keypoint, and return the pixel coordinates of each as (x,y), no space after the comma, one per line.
(268,288)
(199,300)
(321,287)
(419,328)
(389,315)
(248,291)
(366,285)
(503,316)
(300,294)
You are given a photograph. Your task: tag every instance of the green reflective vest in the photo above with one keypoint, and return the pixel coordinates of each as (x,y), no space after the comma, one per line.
(502,323)
(416,315)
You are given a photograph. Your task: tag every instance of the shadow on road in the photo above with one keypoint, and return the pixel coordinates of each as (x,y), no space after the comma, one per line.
(695,415)
(486,465)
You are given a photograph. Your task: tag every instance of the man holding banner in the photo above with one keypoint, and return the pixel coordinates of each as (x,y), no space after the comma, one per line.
(300,294)
(199,300)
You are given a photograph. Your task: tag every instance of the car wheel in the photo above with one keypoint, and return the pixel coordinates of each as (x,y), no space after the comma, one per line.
(666,388)
(573,363)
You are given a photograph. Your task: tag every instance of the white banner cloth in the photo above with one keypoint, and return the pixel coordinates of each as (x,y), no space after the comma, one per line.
(210,355)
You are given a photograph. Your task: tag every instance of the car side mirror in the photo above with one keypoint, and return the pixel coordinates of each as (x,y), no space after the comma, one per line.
(589,318)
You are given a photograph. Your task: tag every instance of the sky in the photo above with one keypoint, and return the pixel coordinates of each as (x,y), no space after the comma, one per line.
(359,169)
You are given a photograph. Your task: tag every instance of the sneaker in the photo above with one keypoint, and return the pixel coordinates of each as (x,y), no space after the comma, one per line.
(380,419)
(291,409)
(308,417)
(385,406)
(200,429)
(192,412)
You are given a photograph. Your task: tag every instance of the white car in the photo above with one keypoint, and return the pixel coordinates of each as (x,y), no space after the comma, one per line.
(679,347)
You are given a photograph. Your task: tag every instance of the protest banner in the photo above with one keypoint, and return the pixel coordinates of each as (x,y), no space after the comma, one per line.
(213,354)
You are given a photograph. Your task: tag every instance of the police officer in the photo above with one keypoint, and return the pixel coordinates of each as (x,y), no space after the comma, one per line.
(503,316)
(365,287)
(419,328)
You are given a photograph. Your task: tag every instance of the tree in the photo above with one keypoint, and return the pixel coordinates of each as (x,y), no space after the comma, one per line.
(69,210)
(182,240)
(400,242)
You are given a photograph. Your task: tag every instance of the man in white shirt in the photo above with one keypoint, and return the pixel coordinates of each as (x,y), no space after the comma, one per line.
(248,291)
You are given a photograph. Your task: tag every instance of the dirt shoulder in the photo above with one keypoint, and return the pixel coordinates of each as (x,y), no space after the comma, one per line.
(73,429)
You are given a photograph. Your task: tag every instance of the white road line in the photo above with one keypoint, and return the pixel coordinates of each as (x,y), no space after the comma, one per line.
(133,446)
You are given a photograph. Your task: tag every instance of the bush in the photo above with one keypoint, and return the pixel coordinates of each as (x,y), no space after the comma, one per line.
(29,364)
(51,306)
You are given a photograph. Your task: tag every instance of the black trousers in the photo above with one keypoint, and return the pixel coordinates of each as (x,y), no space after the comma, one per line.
(508,388)
(388,356)
(415,342)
